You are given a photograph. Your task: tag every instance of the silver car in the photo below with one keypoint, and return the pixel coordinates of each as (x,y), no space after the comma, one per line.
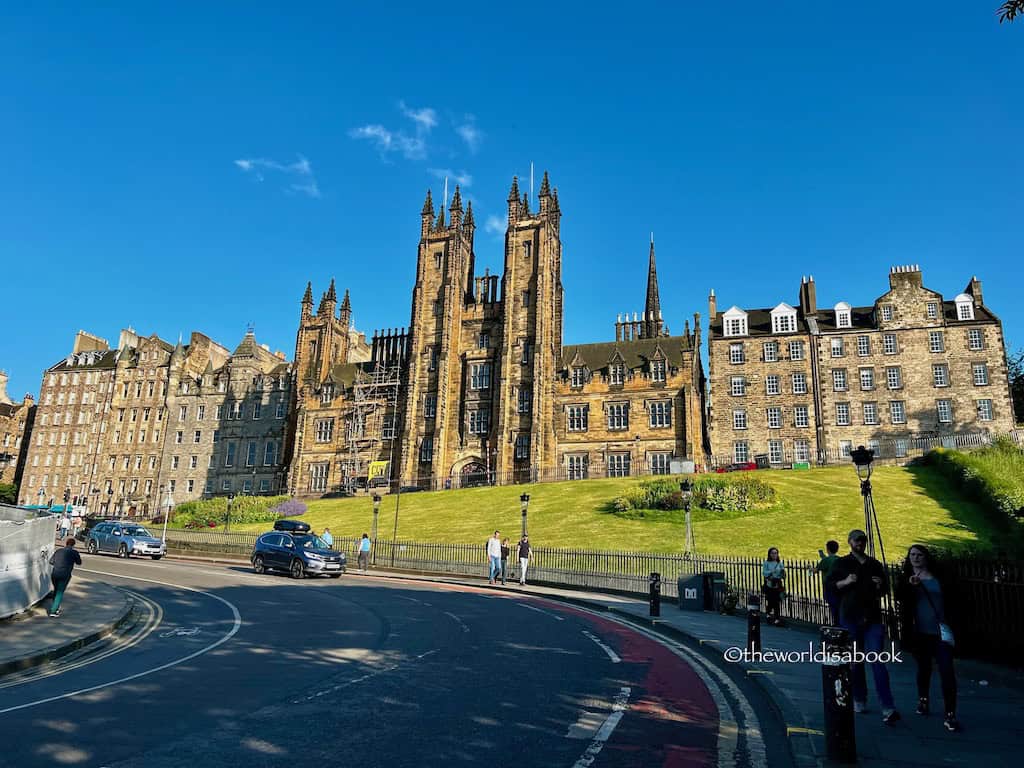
(124,540)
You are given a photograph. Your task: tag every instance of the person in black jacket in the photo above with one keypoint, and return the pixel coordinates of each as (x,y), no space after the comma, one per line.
(860,581)
(63,561)
(925,600)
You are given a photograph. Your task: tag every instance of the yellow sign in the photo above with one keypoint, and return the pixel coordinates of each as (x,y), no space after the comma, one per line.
(378,469)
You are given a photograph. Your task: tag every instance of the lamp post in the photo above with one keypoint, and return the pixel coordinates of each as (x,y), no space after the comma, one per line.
(524,502)
(686,489)
(376,511)
(227,519)
(862,458)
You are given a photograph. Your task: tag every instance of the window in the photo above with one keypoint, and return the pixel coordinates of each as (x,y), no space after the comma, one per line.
(944,409)
(837,347)
(437,307)
(736,354)
(980,374)
(432,362)
(771,384)
(269,453)
(247,485)
(229,455)
(525,399)
(870,413)
(174,462)
(964,307)
(863,346)
(800,418)
(894,378)
(279,413)
(430,406)
(618,465)
(658,370)
(193,462)
(250,454)
(741,452)
(526,298)
(799,383)
(427,449)
(618,416)
(801,450)
(842,414)
(940,375)
(318,476)
(736,326)
(796,350)
(226,485)
(771,351)
(257,409)
(739,419)
(190,485)
(236,408)
(661,414)
(209,486)
(897,412)
(738,386)
(578,376)
(324,430)
(478,422)
(843,318)
(839,379)
(197,436)
(480,376)
(264,485)
(483,340)
(219,413)
(784,322)
(875,446)
(576,418)
(522,446)
(660,463)
(775,451)
(932,310)
(886,313)
(845,447)
(985,410)
(527,351)
(889,345)
(216,435)
(936,342)
(182,413)
(867,379)
(774,418)
(617,373)
(576,466)
(179,437)
(437,259)
(975,340)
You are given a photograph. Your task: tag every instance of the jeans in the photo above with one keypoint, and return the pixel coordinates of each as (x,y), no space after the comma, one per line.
(523,562)
(60,583)
(926,648)
(495,566)
(869,637)
(364,559)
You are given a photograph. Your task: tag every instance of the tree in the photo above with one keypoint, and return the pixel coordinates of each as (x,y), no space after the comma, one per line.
(1015,372)
(1010,10)
(8,493)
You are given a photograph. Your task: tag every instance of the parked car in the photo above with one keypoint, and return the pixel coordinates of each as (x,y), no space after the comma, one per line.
(295,526)
(740,466)
(124,540)
(300,554)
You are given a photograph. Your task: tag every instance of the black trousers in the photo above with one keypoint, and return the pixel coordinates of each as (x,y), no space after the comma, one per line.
(925,649)
(773,601)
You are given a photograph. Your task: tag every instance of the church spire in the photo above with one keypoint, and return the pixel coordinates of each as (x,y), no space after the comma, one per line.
(652,304)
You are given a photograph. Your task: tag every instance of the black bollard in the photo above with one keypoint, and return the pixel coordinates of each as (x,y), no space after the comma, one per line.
(655,593)
(753,622)
(837,696)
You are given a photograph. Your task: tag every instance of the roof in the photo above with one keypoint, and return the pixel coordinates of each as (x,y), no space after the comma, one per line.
(635,353)
(759,322)
(104,359)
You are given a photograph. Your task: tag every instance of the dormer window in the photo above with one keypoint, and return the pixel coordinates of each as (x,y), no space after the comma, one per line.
(579,375)
(658,370)
(886,313)
(734,322)
(327,394)
(844,317)
(783,319)
(964,307)
(616,373)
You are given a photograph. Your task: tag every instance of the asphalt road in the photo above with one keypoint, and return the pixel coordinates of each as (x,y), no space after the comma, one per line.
(223,667)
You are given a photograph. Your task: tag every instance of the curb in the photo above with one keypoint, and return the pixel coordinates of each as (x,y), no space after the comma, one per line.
(52,653)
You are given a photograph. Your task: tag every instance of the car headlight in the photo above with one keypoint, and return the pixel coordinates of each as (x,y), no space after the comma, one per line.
(314,556)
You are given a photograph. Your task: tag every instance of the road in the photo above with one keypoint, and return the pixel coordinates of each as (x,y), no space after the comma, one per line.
(223,667)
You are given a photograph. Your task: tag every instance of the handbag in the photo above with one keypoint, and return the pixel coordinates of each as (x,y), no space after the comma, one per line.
(945,631)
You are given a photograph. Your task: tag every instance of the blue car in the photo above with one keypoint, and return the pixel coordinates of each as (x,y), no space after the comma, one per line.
(124,540)
(299,554)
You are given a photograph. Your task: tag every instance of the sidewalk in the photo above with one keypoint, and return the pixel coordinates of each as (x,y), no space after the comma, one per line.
(91,611)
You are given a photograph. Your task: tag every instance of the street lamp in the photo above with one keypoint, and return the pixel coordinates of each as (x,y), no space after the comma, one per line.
(862,458)
(376,511)
(227,519)
(524,502)
(686,489)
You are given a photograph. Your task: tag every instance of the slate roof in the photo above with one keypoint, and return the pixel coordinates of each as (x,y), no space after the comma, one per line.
(759,322)
(635,353)
(105,359)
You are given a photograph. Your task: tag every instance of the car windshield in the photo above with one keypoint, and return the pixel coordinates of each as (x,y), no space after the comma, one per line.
(311,542)
(135,530)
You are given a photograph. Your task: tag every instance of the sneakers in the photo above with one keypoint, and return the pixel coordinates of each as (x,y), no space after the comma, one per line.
(922,706)
(55,614)
(890,716)
(860,707)
(950,723)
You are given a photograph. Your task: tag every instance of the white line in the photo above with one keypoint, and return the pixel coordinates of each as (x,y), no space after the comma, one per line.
(459,621)
(137,675)
(541,610)
(611,654)
(605,732)
(361,678)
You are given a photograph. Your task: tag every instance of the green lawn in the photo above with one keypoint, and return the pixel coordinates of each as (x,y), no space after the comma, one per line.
(914,504)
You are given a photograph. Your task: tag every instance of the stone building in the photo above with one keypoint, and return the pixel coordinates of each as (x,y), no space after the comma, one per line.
(799,383)
(16,421)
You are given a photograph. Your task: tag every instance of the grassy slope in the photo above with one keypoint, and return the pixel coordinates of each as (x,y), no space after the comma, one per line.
(914,504)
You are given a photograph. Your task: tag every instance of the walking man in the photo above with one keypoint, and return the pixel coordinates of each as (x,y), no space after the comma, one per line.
(65,525)
(63,561)
(494,555)
(364,553)
(327,537)
(860,581)
(525,553)
(505,550)
(825,565)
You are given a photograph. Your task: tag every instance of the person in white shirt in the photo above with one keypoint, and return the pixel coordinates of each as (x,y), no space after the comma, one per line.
(525,553)
(65,525)
(494,554)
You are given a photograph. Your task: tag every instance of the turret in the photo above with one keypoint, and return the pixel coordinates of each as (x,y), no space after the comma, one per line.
(455,209)
(544,196)
(307,302)
(345,315)
(329,302)
(426,215)
(513,200)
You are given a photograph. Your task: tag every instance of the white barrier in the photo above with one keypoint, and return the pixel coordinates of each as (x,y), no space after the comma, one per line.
(25,550)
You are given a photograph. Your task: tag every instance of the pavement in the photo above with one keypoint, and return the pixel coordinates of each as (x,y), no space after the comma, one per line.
(91,611)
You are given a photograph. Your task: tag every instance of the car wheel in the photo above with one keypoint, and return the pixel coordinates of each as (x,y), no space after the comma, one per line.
(298,570)
(156,557)
(91,547)
(257,564)
(122,551)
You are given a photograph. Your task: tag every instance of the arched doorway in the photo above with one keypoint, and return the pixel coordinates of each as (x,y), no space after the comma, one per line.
(473,474)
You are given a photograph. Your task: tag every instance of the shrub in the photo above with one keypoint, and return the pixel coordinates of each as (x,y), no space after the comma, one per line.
(289,508)
(672,501)
(621,504)
(992,476)
(244,509)
(742,494)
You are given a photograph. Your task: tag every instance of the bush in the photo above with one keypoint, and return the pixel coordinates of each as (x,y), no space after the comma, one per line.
(244,509)
(621,504)
(719,494)
(672,501)
(992,476)
(289,508)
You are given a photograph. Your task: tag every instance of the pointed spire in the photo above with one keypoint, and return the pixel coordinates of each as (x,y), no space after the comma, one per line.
(346,304)
(439,224)
(456,201)
(545,186)
(428,206)
(525,205)
(513,193)
(468,221)
(307,297)
(331,293)
(652,304)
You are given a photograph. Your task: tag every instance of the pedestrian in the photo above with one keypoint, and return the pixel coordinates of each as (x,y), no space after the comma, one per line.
(494,556)
(925,600)
(327,537)
(860,581)
(63,561)
(525,553)
(504,559)
(364,553)
(774,585)
(65,525)
(825,565)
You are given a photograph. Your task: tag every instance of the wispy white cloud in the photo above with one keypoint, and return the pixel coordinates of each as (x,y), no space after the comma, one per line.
(494,225)
(424,117)
(303,180)
(387,141)
(469,133)
(463,178)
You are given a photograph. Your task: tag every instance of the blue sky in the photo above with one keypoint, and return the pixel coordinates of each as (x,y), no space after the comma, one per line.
(190,166)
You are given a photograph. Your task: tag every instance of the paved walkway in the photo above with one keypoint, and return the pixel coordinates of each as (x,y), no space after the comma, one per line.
(90,611)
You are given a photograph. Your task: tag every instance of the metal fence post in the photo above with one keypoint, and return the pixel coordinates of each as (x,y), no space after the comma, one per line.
(753,622)
(837,696)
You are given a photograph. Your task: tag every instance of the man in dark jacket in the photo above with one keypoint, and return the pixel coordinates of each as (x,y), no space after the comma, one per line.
(860,581)
(63,561)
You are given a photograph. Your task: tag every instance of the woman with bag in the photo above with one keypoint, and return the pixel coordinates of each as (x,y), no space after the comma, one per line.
(774,585)
(924,601)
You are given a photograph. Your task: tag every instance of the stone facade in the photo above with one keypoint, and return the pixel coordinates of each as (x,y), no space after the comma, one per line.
(16,420)
(912,365)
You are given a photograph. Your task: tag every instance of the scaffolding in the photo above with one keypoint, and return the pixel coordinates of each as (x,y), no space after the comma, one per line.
(371,421)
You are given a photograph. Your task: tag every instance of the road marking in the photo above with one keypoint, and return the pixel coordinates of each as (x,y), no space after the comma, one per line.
(809,731)
(360,679)
(606,730)
(541,610)
(181,632)
(413,600)
(457,620)
(234,629)
(611,654)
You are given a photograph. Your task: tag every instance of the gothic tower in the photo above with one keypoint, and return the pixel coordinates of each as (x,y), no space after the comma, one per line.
(652,322)
(323,338)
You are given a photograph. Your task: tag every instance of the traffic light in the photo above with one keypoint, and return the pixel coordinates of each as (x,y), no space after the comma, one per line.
(67,495)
